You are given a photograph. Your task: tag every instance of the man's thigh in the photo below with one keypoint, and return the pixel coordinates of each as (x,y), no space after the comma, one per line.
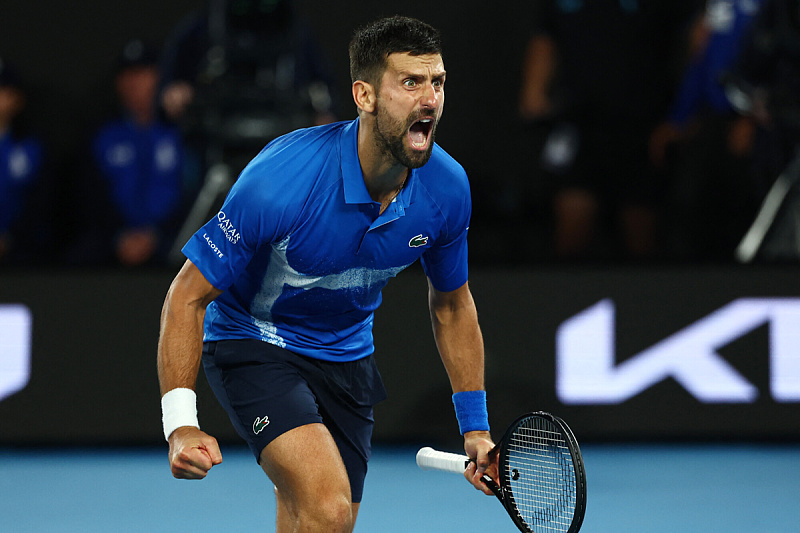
(264,395)
(269,392)
(305,466)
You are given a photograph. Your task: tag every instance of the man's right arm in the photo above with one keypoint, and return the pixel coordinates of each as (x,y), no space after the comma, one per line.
(192,452)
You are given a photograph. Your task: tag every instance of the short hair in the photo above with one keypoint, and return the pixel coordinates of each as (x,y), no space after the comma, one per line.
(372,44)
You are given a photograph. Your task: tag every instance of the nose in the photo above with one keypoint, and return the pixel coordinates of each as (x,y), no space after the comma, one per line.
(430,97)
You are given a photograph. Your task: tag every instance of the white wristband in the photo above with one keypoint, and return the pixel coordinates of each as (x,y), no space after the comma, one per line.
(178,409)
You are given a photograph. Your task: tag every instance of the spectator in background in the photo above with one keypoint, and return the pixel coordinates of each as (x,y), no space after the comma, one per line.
(767,76)
(768,71)
(21,161)
(713,198)
(135,184)
(599,72)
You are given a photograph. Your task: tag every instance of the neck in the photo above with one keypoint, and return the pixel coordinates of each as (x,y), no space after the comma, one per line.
(142,117)
(387,197)
(383,175)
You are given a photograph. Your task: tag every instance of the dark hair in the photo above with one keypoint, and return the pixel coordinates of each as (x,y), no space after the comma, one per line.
(372,44)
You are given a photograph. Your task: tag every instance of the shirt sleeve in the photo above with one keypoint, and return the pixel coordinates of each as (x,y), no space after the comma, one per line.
(248,219)
(689,93)
(446,263)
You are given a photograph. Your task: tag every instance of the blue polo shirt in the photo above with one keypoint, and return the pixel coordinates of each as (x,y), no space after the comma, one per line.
(20,163)
(302,254)
(701,87)
(143,167)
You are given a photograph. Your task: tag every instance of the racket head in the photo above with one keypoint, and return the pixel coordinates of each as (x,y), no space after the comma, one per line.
(542,476)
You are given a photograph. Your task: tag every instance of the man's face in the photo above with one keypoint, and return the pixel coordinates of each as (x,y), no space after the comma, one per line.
(137,88)
(409,105)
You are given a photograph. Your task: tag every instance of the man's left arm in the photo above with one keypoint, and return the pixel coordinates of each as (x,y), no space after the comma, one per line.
(454,319)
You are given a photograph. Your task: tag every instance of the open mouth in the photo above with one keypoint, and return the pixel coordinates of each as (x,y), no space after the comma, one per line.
(420,132)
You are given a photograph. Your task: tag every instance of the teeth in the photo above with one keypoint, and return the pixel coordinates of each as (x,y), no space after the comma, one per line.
(425,120)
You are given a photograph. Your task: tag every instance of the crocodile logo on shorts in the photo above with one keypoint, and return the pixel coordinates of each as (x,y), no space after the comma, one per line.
(260,424)
(418,241)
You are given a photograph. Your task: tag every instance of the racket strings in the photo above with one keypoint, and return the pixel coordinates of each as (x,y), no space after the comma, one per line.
(540,475)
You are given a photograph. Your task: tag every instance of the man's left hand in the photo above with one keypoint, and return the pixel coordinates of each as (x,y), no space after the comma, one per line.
(478,444)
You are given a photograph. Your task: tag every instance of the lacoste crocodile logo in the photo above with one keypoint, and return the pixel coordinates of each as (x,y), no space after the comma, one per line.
(418,241)
(260,424)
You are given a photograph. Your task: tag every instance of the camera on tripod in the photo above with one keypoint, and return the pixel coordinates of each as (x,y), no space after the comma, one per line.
(259,76)
(256,82)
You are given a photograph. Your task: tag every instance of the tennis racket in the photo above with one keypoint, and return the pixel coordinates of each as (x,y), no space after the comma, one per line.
(542,479)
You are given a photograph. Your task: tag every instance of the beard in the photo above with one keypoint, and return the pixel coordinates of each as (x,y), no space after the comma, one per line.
(391,134)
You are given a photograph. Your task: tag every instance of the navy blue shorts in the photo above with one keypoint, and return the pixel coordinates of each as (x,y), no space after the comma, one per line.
(267,391)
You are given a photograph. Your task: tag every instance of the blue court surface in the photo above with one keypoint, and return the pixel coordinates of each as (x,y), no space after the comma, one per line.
(631,488)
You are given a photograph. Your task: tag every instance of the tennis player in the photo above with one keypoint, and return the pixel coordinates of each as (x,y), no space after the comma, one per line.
(279,288)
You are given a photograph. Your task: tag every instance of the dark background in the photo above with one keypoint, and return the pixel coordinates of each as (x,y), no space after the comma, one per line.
(95,332)
(66,53)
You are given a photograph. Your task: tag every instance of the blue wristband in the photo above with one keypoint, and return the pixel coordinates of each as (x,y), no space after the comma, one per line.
(471,411)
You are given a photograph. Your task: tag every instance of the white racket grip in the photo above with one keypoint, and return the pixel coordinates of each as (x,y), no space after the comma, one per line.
(430,459)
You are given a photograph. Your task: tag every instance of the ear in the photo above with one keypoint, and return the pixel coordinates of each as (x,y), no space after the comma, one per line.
(364,96)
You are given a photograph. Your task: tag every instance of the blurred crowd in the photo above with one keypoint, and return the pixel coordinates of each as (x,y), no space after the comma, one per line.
(659,126)
(227,80)
(653,131)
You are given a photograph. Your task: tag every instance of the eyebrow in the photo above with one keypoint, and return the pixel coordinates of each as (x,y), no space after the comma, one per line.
(416,75)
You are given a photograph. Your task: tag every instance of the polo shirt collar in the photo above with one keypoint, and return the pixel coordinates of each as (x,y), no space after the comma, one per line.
(355,190)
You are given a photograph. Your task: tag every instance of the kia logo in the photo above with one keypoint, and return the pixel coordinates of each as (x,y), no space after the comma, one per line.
(586,372)
(15,348)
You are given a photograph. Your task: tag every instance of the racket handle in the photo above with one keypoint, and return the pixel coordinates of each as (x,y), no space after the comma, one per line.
(430,459)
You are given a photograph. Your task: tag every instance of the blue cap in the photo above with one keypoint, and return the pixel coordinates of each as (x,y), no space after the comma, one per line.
(136,53)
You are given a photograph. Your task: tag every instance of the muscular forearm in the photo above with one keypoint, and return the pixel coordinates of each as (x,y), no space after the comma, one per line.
(460,342)
(181,340)
(179,346)
(454,319)
(192,453)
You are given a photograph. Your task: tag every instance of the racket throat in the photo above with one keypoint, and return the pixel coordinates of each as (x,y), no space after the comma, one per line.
(494,487)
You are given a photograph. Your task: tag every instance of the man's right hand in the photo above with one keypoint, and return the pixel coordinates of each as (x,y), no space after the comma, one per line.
(175,98)
(192,453)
